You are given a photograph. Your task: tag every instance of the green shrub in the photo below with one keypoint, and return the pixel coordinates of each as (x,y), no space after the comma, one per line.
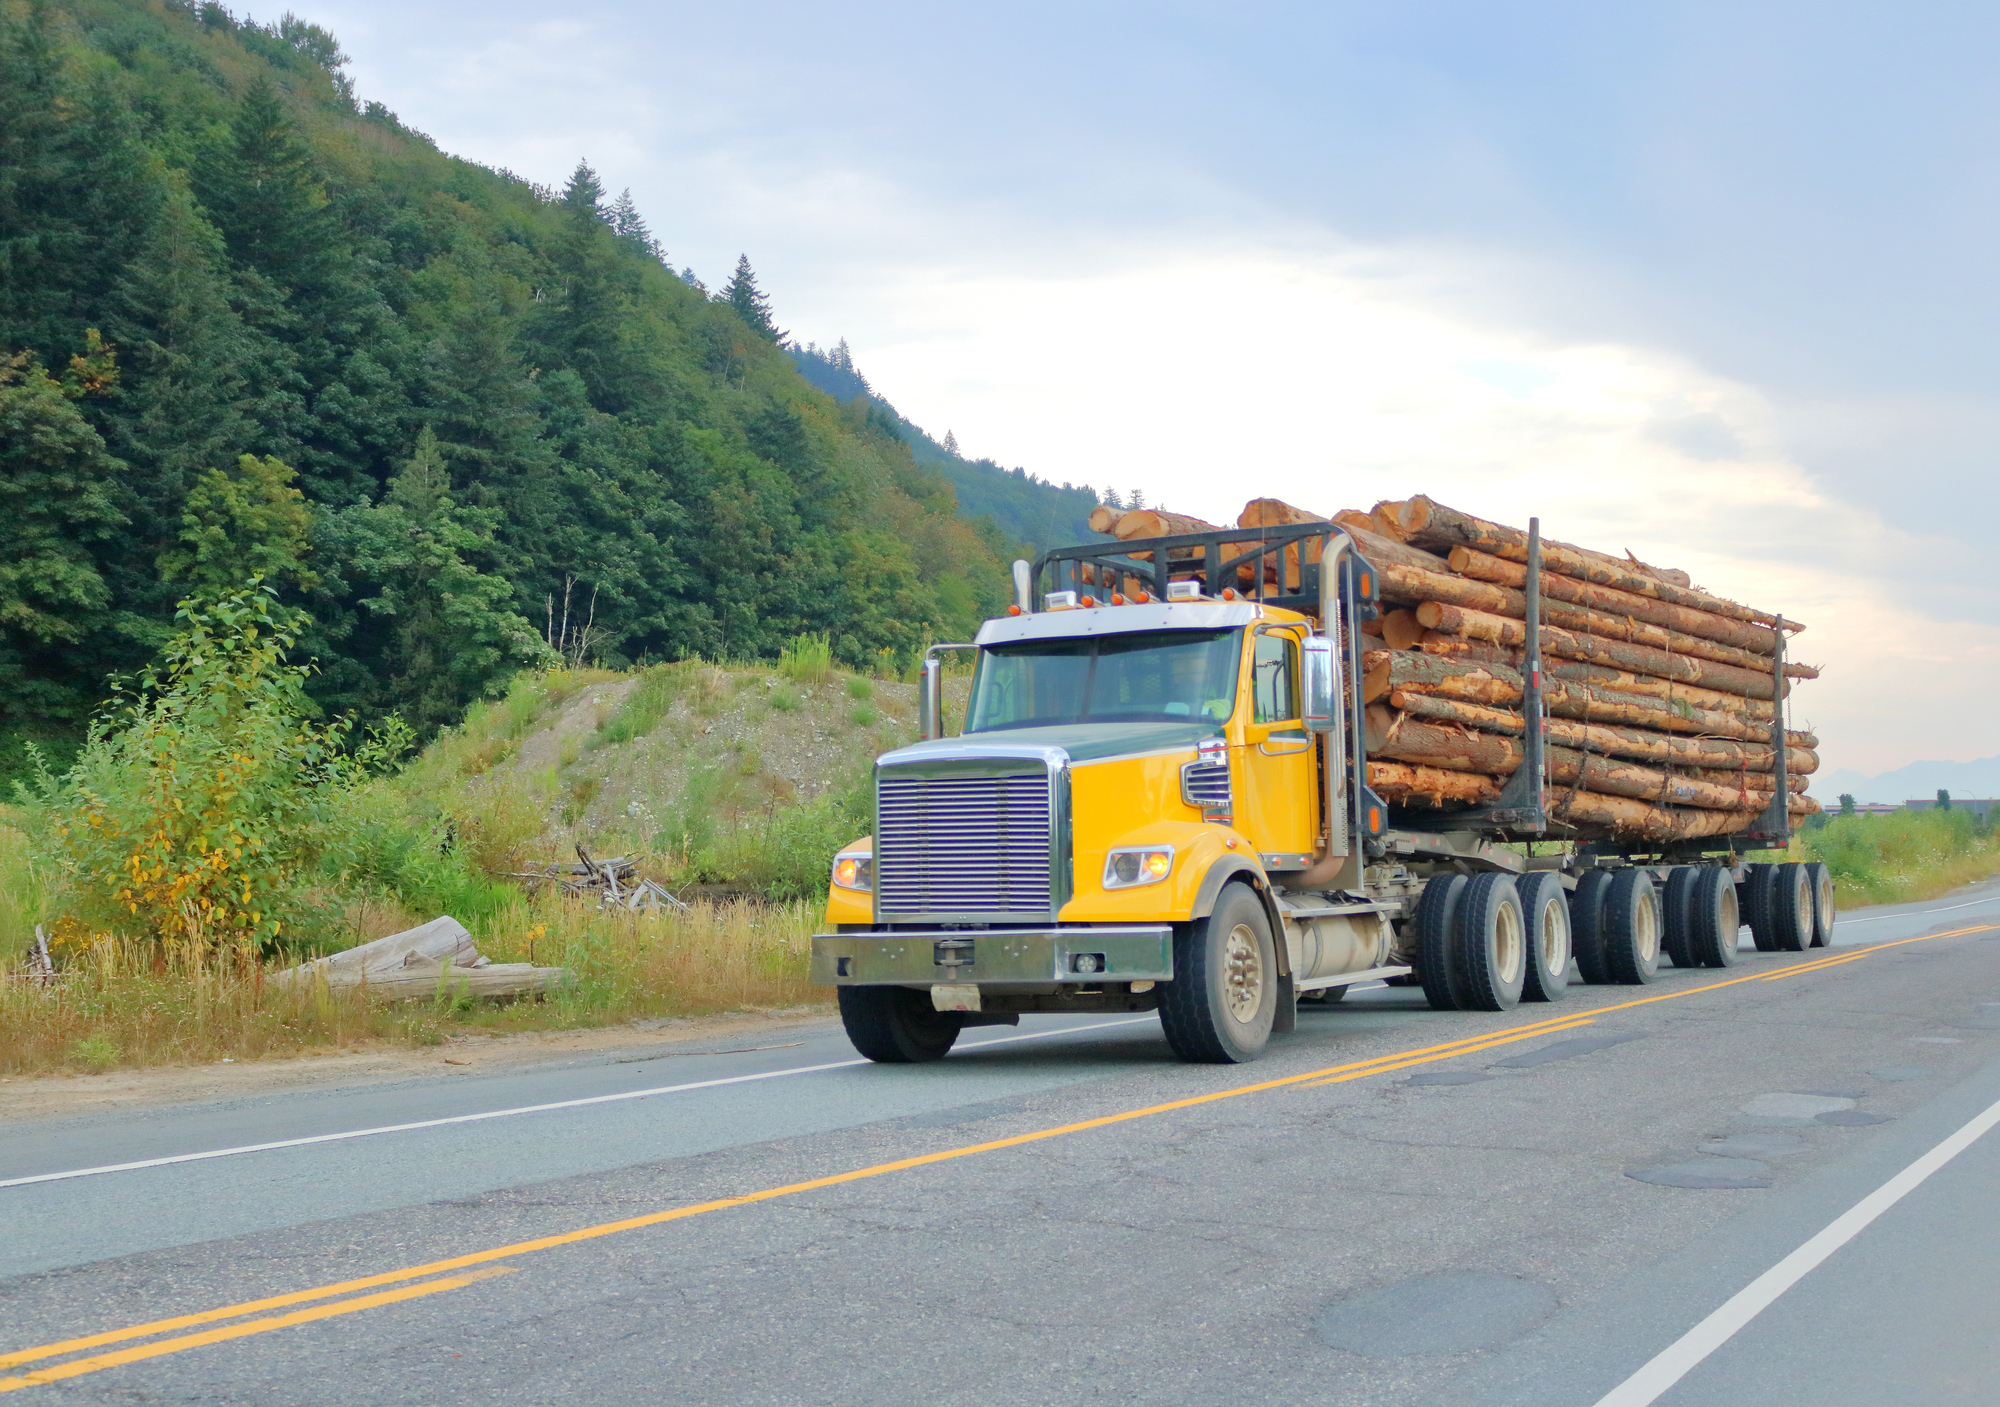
(859,688)
(204,804)
(1902,856)
(649,702)
(783,699)
(866,716)
(808,659)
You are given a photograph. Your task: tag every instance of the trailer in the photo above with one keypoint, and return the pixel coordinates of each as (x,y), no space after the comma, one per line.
(1160,801)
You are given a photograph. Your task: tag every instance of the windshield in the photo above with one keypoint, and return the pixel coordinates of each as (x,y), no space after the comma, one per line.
(1158,676)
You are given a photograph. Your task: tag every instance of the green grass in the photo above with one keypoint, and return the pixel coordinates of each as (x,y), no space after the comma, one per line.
(1903,856)
(783,699)
(866,716)
(644,707)
(808,659)
(859,688)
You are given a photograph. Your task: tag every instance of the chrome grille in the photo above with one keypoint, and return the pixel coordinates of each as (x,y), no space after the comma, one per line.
(1206,785)
(962,845)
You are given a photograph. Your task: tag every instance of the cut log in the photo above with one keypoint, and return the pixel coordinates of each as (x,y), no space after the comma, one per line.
(1157,522)
(1398,782)
(1636,744)
(1472,679)
(1596,649)
(1104,519)
(1447,528)
(1404,583)
(422,981)
(443,939)
(1482,566)
(1402,630)
(1453,647)
(1386,517)
(1671,692)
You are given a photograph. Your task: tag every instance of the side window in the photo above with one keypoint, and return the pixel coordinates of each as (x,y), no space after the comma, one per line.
(1276,672)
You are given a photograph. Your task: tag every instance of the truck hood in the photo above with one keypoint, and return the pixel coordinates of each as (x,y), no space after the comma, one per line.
(1078,742)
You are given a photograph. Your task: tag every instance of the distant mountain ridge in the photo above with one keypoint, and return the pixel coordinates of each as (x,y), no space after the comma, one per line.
(1029,510)
(1919,781)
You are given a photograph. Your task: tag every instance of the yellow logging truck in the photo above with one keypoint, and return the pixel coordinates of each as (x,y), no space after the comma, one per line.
(1159,801)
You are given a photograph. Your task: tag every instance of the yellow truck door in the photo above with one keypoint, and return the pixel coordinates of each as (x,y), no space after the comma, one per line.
(1279,767)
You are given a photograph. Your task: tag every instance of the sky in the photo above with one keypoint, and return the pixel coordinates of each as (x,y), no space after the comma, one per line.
(1712,283)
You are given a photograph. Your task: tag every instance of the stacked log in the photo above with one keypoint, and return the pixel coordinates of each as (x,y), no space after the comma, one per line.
(1662,700)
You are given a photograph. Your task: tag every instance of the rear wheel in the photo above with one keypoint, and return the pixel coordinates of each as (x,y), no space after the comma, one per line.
(1676,914)
(1221,1005)
(1437,960)
(1714,919)
(1546,908)
(1632,927)
(1759,882)
(1791,907)
(1820,878)
(896,1025)
(1586,925)
(1492,942)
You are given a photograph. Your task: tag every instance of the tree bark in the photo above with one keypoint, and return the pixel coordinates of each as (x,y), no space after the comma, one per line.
(1670,692)
(1397,782)
(1401,737)
(1405,583)
(1473,680)
(1638,744)
(1482,566)
(1596,649)
(1512,544)
(1452,647)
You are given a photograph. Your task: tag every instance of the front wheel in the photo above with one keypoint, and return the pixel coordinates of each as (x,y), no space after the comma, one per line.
(896,1025)
(1220,1007)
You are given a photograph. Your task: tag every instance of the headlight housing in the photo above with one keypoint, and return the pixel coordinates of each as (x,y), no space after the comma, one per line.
(1131,866)
(854,871)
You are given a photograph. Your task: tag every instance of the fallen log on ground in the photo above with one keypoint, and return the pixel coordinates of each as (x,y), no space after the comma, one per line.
(435,957)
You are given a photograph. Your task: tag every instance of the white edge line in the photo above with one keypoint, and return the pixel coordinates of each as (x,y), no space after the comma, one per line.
(524,1109)
(1876,918)
(1679,1358)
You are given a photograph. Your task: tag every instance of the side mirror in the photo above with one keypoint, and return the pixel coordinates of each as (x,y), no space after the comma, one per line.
(1322,684)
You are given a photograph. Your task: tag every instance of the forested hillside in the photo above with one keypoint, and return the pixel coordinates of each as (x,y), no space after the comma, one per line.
(1028,511)
(248,324)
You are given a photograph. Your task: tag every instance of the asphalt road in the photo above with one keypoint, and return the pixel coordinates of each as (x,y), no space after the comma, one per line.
(1393,1206)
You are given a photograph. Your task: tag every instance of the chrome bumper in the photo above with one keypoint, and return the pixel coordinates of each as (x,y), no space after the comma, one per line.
(995,955)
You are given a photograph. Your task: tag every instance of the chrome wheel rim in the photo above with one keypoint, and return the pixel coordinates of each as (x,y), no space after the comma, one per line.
(1805,909)
(1243,974)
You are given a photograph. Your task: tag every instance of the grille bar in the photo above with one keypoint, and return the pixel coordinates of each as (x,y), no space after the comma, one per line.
(962,845)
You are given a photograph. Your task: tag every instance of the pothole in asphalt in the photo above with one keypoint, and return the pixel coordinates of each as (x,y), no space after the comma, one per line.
(1706,1174)
(1447,1077)
(1456,1312)
(1904,1072)
(1565,1050)
(1756,1145)
(1790,1110)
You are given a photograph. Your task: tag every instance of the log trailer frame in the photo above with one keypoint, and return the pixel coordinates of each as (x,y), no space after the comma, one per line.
(1235,879)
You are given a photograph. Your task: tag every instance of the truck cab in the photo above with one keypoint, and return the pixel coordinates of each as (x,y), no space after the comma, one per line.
(1145,810)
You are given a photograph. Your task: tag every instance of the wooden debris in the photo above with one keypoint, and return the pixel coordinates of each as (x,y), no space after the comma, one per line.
(433,958)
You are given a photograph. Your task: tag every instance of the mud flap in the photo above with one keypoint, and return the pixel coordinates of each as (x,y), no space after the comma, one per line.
(1286,1017)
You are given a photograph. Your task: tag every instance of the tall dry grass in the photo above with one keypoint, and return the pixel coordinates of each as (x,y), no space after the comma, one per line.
(121,1003)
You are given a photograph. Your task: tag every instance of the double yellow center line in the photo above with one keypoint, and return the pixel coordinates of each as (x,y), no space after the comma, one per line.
(460,1271)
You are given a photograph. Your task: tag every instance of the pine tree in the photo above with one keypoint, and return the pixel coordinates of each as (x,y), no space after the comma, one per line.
(688,278)
(630,228)
(263,193)
(583,197)
(751,303)
(951,444)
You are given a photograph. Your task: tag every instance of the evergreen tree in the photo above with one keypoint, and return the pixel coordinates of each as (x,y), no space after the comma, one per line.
(752,304)
(630,228)
(1943,800)
(445,632)
(1847,803)
(263,194)
(951,444)
(252,522)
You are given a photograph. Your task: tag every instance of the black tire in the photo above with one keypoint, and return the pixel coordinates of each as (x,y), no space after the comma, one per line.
(896,1025)
(1545,906)
(1586,925)
(1754,898)
(1791,906)
(1677,915)
(1437,963)
(1492,942)
(1820,879)
(1716,918)
(1223,1001)
(1632,928)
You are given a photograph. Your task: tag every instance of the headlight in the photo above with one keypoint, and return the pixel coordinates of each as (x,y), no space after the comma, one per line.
(1147,864)
(854,871)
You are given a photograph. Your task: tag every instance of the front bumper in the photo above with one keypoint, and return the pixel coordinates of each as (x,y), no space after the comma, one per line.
(995,955)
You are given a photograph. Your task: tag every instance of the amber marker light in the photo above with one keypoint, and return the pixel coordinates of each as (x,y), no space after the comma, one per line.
(1116,599)
(854,872)
(1132,866)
